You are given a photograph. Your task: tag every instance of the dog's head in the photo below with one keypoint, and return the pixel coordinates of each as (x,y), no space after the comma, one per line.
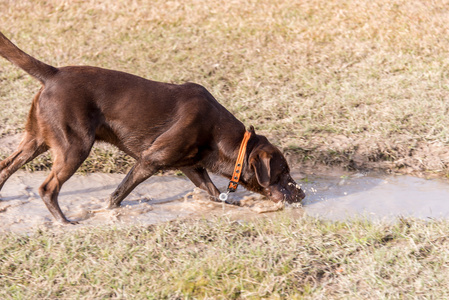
(272,173)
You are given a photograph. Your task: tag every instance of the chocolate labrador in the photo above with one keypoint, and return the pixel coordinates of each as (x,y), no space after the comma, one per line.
(163,126)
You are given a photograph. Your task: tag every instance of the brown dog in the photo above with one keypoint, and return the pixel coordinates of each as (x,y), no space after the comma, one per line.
(161,125)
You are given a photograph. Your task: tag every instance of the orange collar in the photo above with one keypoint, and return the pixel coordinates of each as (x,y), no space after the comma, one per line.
(239,163)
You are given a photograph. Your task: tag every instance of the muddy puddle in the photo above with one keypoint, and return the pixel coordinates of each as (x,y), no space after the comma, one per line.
(169,197)
(376,197)
(83,198)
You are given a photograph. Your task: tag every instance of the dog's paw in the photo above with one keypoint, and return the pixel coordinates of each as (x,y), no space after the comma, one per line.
(111,206)
(68,222)
(233,202)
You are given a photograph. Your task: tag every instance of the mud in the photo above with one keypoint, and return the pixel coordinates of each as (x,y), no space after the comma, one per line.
(332,193)
(83,198)
(338,196)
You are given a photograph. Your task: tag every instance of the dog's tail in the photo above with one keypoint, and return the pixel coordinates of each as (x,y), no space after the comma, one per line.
(32,66)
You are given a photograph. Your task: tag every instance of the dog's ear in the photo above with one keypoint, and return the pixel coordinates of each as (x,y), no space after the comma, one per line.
(260,160)
(251,129)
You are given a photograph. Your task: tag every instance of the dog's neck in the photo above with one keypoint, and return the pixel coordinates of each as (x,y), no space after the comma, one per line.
(227,156)
(228,145)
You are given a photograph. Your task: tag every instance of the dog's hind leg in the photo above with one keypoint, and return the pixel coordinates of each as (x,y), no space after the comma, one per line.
(28,149)
(66,161)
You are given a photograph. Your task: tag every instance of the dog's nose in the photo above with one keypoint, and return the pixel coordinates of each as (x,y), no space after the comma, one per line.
(294,196)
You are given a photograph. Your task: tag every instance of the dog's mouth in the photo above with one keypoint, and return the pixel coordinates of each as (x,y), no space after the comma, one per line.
(292,194)
(296,194)
(298,197)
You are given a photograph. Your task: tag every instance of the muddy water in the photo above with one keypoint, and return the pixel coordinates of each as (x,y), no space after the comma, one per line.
(165,198)
(376,197)
(83,198)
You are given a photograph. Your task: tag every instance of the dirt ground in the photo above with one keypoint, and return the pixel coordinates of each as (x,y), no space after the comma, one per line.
(404,156)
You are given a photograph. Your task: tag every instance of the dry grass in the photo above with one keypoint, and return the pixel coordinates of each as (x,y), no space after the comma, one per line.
(337,82)
(222,259)
(345,82)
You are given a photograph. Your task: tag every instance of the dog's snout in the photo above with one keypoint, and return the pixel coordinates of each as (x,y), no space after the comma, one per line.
(296,194)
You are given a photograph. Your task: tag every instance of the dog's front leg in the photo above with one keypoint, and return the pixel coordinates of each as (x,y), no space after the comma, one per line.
(138,173)
(201,179)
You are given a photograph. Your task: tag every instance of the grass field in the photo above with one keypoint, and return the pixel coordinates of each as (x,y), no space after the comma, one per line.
(223,259)
(356,83)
